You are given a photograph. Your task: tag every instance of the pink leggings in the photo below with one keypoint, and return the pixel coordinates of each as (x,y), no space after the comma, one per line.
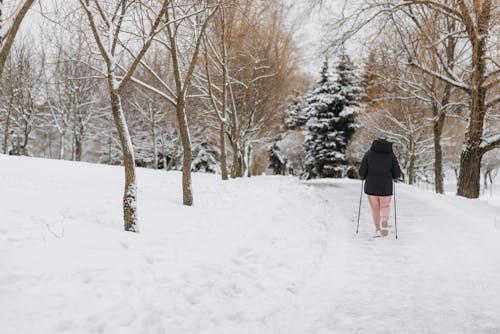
(380,205)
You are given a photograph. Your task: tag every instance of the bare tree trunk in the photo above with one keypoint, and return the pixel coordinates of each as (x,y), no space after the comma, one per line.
(153,135)
(130,192)
(411,167)
(187,193)
(61,146)
(470,173)
(236,166)
(470,161)
(110,141)
(472,154)
(79,143)
(6,134)
(73,148)
(223,153)
(50,147)
(249,161)
(437,127)
(223,156)
(78,149)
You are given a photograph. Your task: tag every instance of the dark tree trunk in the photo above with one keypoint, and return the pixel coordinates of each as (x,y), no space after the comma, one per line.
(78,148)
(187,193)
(470,173)
(130,192)
(438,152)
(249,161)
(411,167)
(469,178)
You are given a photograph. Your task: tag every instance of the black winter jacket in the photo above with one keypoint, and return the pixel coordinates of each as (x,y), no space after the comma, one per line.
(379,168)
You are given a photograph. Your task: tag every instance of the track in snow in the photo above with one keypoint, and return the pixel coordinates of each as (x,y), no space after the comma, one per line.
(441,276)
(260,255)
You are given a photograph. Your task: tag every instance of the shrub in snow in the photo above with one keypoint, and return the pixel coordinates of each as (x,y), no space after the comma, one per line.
(205,158)
(295,116)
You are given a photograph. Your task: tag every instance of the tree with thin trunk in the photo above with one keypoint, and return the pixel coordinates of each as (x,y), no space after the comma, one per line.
(151,112)
(215,81)
(180,42)
(110,24)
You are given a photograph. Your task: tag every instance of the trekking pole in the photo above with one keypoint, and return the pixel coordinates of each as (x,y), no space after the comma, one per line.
(359,210)
(395,212)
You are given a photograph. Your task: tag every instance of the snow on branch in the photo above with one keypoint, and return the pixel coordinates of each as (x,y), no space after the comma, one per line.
(490,142)
(452,81)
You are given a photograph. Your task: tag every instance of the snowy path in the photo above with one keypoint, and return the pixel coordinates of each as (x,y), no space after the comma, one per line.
(259,255)
(441,276)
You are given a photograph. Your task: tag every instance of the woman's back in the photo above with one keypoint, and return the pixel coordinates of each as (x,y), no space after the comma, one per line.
(379,168)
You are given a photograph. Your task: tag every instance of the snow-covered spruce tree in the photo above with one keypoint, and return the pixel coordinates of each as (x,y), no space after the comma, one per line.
(295,116)
(331,112)
(206,156)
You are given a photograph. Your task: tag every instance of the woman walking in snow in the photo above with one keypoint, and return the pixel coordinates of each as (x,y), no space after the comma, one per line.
(379,168)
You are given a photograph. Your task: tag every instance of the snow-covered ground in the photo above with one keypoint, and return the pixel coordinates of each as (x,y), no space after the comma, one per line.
(259,255)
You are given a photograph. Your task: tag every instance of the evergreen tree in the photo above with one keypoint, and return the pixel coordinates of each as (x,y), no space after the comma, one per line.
(331,112)
(295,116)
(206,157)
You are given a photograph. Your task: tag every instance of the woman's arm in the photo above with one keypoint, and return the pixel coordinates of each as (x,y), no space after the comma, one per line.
(396,170)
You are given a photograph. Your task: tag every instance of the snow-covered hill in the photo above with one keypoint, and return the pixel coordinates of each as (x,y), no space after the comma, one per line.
(259,255)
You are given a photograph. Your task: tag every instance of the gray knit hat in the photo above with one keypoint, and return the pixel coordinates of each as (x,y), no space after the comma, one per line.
(382,135)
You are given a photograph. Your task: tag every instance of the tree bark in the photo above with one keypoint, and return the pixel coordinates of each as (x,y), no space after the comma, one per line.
(470,160)
(470,173)
(187,193)
(6,134)
(223,153)
(249,161)
(236,166)
(61,145)
(153,135)
(437,128)
(411,167)
(78,149)
(79,143)
(130,192)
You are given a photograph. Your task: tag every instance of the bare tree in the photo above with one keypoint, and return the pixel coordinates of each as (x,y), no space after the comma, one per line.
(217,83)
(109,21)
(181,41)
(22,86)
(9,26)
(10,21)
(152,113)
(250,68)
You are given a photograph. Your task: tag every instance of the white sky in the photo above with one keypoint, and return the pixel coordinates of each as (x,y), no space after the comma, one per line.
(310,33)
(308,24)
